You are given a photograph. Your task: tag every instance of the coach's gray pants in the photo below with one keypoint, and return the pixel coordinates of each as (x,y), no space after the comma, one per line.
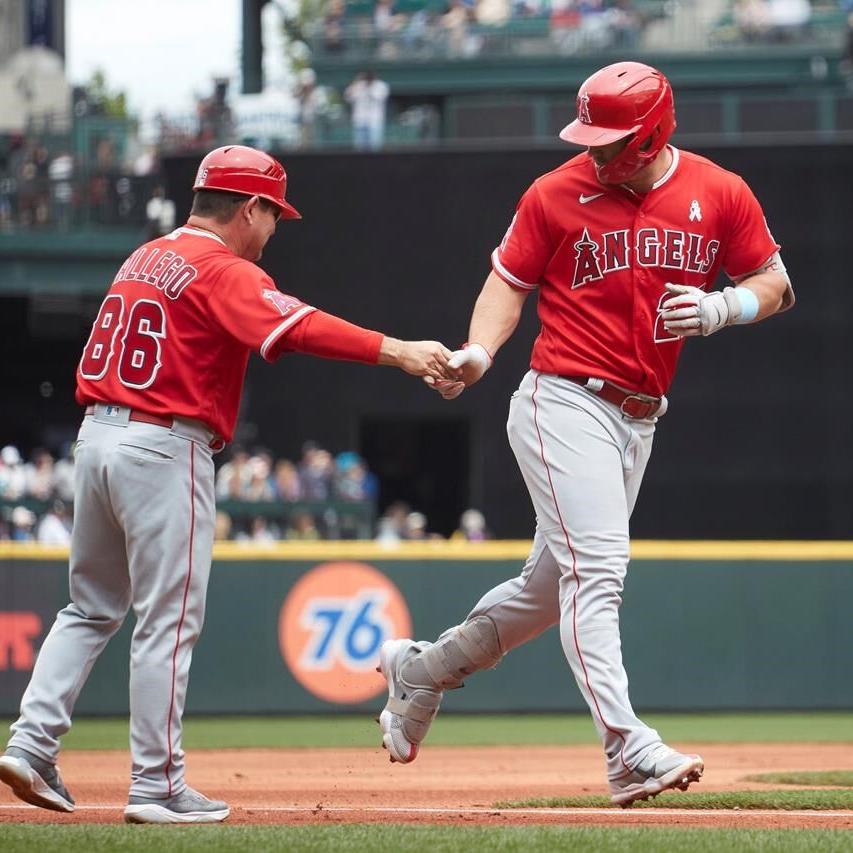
(143,533)
(583,464)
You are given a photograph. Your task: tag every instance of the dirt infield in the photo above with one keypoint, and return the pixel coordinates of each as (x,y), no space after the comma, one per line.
(444,786)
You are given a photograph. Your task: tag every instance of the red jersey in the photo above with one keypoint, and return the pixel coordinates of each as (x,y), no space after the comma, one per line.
(600,257)
(174,332)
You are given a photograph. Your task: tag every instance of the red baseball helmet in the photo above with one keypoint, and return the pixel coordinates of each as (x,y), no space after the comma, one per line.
(624,99)
(247,171)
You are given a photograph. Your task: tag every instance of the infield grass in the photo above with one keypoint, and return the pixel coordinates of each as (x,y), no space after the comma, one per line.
(798,800)
(355,838)
(828,778)
(474,730)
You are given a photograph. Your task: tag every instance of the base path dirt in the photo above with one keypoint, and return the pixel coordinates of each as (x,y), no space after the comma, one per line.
(445,785)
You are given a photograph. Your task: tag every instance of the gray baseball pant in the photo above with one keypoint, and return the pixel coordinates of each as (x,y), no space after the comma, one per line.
(143,535)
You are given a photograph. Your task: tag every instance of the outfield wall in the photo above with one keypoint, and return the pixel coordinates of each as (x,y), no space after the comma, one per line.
(708,626)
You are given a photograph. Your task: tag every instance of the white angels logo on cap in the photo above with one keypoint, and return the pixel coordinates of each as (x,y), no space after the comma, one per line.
(202,176)
(583,109)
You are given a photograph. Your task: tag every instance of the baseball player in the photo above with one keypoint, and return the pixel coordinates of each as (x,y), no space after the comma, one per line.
(160,379)
(623,243)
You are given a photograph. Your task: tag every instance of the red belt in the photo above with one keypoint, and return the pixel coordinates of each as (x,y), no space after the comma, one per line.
(215,444)
(632,404)
(142,417)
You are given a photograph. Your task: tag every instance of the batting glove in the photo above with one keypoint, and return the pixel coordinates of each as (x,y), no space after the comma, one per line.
(473,360)
(691,311)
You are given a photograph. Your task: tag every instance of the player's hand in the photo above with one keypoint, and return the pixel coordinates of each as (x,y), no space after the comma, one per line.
(469,365)
(448,389)
(420,358)
(471,362)
(690,311)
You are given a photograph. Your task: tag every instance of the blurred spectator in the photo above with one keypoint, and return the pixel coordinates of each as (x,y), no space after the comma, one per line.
(352,480)
(595,28)
(625,24)
(55,526)
(233,475)
(416,528)
(492,13)
(454,23)
(60,171)
(333,26)
(159,214)
(386,23)
(368,96)
(261,532)
(789,19)
(13,479)
(472,527)
(23,522)
(416,33)
(565,22)
(259,486)
(313,104)
(147,161)
(286,483)
(33,185)
(215,119)
(392,526)
(302,527)
(222,527)
(752,18)
(38,475)
(315,472)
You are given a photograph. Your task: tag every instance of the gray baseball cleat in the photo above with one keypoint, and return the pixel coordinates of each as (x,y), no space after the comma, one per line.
(661,770)
(187,807)
(411,707)
(34,780)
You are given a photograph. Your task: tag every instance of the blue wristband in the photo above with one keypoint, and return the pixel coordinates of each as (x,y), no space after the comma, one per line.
(748,305)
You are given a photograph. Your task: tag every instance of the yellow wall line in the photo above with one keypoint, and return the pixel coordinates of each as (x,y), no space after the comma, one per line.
(643,549)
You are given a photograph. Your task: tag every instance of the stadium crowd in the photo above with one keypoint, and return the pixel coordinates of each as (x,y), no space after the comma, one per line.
(320,496)
(467,28)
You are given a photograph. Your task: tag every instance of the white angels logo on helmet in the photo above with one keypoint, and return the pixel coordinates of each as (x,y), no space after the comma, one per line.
(583,108)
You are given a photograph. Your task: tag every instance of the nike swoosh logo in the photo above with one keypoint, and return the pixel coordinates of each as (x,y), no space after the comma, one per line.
(585,199)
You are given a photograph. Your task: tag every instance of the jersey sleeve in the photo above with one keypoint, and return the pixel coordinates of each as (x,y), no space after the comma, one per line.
(246,303)
(750,241)
(526,248)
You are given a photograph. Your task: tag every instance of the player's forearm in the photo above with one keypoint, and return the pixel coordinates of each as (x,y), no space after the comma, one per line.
(328,336)
(496,314)
(770,289)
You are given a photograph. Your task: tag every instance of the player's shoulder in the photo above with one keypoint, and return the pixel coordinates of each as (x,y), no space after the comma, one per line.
(698,164)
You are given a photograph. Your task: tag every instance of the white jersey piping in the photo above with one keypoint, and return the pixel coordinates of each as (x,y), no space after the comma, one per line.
(503,272)
(198,232)
(282,327)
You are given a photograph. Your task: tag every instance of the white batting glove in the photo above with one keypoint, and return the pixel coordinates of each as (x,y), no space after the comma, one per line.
(473,360)
(691,311)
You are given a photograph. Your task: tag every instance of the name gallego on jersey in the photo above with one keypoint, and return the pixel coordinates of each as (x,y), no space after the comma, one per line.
(167,271)
(652,247)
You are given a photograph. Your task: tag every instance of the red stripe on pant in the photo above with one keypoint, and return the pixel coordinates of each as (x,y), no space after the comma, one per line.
(577,581)
(183,613)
